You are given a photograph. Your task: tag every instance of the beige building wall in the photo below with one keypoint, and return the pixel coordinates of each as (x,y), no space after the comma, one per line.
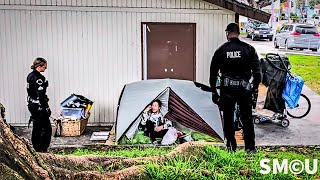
(93,47)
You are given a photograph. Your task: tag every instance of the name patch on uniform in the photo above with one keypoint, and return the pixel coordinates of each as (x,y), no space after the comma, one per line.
(234,54)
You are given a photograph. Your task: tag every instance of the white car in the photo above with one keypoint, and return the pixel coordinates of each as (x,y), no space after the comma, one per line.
(299,36)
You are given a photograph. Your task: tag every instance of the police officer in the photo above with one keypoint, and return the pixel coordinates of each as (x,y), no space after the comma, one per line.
(38,106)
(237,62)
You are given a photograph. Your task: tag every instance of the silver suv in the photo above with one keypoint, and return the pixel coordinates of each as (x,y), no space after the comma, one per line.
(300,36)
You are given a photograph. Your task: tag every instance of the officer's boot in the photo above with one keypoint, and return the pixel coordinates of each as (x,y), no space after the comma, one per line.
(232,145)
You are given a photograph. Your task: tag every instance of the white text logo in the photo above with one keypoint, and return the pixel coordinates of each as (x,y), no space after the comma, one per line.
(295,166)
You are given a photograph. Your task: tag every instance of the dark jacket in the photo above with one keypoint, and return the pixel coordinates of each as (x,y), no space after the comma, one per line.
(237,60)
(37,88)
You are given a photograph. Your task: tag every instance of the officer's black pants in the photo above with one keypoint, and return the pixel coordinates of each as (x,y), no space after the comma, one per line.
(41,131)
(244,99)
(152,133)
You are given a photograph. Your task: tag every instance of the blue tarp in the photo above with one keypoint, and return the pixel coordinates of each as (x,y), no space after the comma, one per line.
(292,90)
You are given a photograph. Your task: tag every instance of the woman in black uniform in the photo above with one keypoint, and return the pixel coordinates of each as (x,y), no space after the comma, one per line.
(38,106)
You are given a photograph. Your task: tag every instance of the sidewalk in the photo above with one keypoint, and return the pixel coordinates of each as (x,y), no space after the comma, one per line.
(60,142)
(303,131)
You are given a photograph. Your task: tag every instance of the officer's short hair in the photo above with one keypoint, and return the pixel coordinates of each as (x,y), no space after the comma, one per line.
(39,61)
(233,27)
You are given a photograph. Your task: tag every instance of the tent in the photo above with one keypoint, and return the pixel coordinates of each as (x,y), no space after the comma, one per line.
(183,102)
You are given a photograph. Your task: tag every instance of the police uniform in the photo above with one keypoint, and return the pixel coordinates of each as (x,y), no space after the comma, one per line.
(237,62)
(40,111)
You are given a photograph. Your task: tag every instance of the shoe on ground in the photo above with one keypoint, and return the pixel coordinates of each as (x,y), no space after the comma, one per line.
(155,142)
(232,147)
(251,151)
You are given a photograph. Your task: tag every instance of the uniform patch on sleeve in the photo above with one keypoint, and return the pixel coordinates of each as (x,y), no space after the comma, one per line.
(39,82)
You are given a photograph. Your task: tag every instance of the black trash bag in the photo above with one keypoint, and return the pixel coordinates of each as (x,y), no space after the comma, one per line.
(274,70)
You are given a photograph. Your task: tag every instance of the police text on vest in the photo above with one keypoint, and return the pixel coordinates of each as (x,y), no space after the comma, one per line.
(234,54)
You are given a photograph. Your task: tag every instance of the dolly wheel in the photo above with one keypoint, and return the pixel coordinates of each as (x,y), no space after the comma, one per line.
(256,120)
(285,123)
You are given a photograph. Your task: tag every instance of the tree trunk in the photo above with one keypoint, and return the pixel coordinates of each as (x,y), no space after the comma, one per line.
(18,159)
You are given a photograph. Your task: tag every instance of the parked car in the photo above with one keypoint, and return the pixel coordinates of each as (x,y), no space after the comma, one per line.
(316,20)
(312,21)
(258,30)
(283,16)
(300,36)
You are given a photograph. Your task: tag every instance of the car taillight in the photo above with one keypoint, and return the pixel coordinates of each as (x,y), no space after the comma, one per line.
(316,35)
(295,34)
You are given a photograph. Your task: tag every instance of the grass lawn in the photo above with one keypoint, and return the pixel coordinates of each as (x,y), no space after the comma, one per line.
(308,67)
(211,162)
(129,153)
(215,163)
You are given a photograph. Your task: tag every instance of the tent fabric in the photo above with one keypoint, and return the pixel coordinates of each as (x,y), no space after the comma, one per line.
(196,109)
(184,115)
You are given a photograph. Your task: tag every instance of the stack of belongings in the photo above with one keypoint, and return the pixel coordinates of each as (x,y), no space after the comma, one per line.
(274,71)
(75,112)
(76,107)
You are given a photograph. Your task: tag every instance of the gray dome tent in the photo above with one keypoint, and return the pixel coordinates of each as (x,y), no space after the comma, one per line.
(183,102)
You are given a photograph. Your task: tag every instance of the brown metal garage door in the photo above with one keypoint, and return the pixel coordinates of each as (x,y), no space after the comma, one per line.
(170,51)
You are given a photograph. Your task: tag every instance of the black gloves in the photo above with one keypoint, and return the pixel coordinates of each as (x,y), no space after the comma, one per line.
(215,98)
(255,94)
(48,111)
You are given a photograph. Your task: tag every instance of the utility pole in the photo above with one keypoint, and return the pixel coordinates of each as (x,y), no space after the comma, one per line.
(272,12)
(289,10)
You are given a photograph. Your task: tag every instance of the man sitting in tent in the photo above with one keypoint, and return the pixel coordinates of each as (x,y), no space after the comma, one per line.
(153,123)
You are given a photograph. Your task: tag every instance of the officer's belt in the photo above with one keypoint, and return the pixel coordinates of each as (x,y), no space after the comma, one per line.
(241,84)
(30,100)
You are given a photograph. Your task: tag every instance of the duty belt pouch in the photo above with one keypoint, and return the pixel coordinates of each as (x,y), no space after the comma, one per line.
(236,83)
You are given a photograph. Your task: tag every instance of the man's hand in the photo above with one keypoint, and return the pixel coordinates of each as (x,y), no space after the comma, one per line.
(215,98)
(255,94)
(254,98)
(48,111)
(159,128)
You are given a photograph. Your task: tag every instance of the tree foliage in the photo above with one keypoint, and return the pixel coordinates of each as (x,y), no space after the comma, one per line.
(312,3)
(259,4)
